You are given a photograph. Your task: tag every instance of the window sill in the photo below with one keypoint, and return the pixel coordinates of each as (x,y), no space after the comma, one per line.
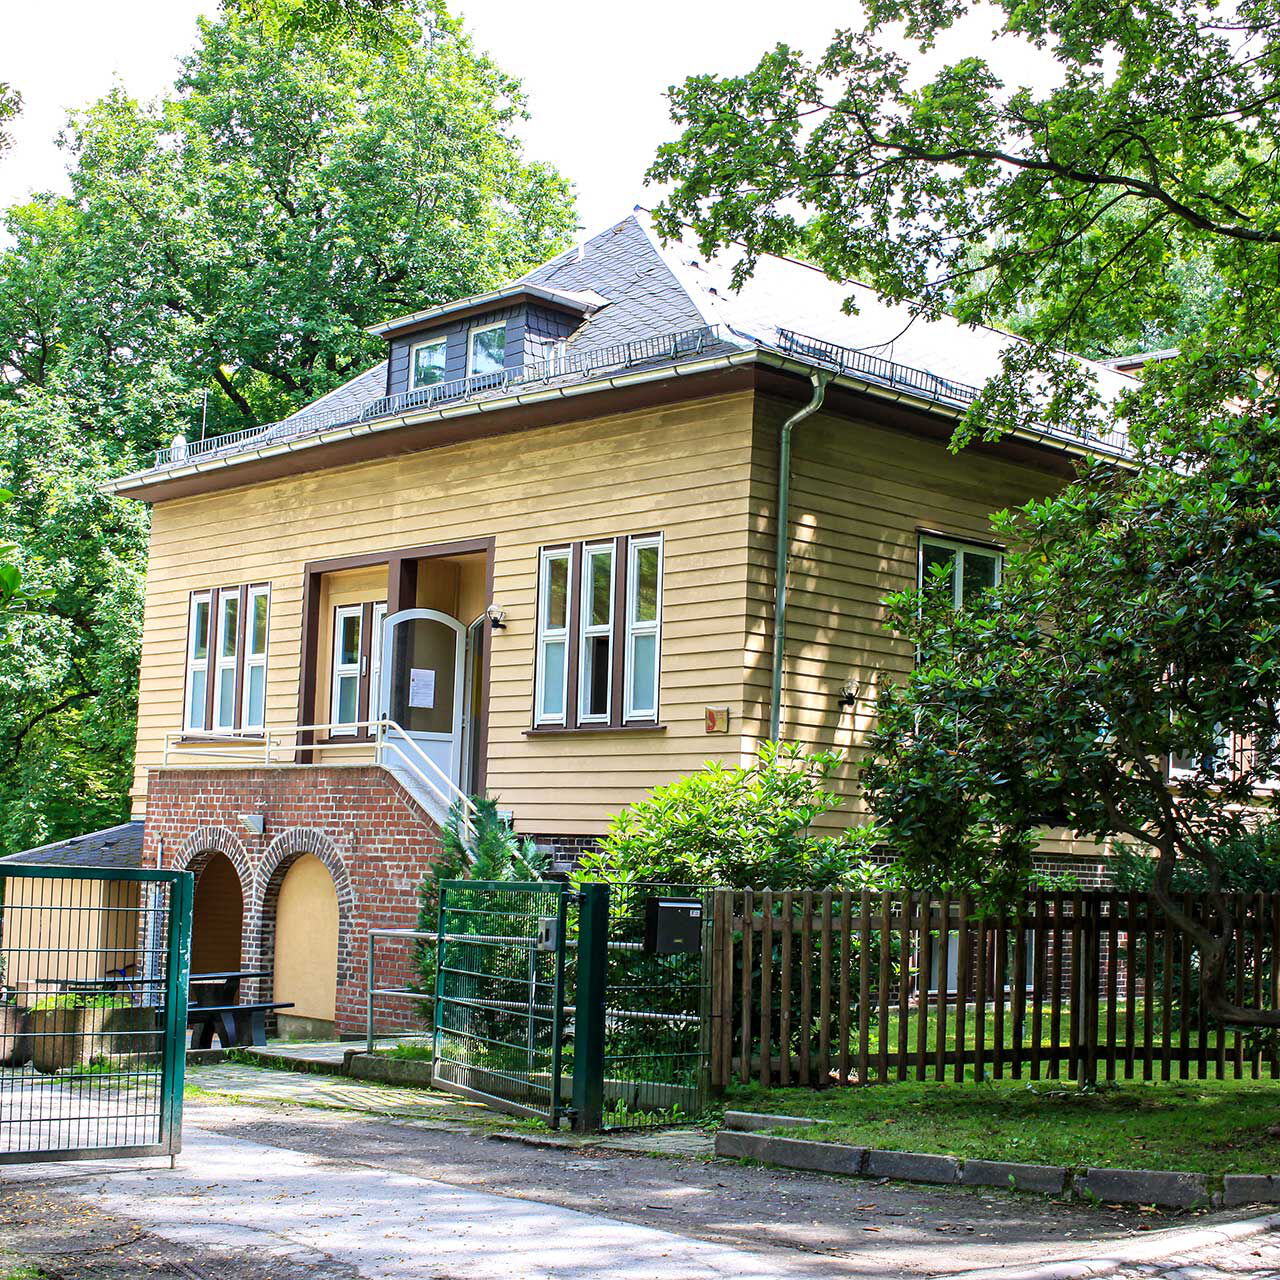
(560,731)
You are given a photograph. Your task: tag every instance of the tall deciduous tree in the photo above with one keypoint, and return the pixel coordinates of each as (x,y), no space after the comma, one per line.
(234,239)
(1135,153)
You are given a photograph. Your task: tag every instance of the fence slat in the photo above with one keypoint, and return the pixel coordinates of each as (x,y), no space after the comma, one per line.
(882,991)
(1001,988)
(922,986)
(981,968)
(1131,987)
(1184,994)
(1039,978)
(845,949)
(1055,1007)
(784,1013)
(806,989)
(943,980)
(964,962)
(904,983)
(766,989)
(864,986)
(748,982)
(824,1002)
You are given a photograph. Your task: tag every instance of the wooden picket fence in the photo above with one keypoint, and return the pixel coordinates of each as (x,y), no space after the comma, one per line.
(817,988)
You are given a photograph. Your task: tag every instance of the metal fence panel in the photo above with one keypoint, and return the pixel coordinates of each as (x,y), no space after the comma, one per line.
(500,982)
(92,1011)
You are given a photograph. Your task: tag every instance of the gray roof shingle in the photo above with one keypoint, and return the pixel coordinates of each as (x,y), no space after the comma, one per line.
(119,848)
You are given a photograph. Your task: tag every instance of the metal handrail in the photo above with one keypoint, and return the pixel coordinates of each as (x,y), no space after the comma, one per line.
(260,747)
(621,355)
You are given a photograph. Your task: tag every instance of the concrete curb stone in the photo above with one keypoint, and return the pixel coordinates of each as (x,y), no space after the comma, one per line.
(912,1166)
(1144,1186)
(1250,1188)
(758,1121)
(1048,1179)
(791,1153)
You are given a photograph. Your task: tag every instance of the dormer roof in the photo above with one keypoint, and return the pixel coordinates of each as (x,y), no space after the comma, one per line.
(579,303)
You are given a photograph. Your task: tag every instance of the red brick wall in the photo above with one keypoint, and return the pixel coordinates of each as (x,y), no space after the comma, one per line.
(357,819)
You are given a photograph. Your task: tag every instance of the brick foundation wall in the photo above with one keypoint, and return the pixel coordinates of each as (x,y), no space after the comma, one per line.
(357,819)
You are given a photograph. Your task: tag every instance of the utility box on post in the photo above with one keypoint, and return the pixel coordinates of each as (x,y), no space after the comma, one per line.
(673,926)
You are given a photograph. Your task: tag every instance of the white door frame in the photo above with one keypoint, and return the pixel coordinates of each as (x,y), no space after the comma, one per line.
(389,624)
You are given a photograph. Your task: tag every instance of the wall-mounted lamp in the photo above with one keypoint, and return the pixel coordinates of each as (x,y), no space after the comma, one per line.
(252,822)
(497,618)
(848,695)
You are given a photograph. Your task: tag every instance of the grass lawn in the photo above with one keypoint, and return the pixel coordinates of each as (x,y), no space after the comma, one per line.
(1214,1127)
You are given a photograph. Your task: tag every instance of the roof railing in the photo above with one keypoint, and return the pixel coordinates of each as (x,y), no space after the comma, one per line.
(622,355)
(904,377)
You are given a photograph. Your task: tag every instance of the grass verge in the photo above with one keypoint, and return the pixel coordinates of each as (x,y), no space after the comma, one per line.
(1214,1127)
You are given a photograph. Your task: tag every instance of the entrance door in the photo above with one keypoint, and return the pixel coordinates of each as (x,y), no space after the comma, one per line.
(422,684)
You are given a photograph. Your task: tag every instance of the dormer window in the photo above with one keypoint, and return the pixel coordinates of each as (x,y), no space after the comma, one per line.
(427,363)
(487,349)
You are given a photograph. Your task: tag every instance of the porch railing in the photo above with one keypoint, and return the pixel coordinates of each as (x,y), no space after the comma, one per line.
(421,776)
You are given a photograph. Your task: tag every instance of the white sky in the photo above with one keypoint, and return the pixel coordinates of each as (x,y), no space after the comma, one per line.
(596,85)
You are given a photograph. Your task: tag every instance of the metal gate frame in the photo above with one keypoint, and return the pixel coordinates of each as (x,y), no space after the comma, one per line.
(472,999)
(466,1024)
(173,1029)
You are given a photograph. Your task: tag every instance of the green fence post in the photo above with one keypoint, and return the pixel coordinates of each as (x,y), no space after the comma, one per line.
(177,975)
(588,1041)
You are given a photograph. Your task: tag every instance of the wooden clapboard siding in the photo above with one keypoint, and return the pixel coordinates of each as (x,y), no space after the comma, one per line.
(684,470)
(860,495)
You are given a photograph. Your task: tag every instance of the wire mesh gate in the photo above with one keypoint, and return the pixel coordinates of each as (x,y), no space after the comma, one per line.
(92,1011)
(591,1006)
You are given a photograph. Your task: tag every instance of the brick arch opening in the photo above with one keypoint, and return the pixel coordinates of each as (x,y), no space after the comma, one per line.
(223,889)
(305,915)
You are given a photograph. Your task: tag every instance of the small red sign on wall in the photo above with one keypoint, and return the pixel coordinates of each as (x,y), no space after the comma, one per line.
(717,720)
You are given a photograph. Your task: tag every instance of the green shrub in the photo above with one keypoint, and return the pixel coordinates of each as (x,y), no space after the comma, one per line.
(1250,864)
(739,827)
(81,1000)
(490,851)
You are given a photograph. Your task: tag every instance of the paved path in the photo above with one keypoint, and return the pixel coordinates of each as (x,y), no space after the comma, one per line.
(1258,1257)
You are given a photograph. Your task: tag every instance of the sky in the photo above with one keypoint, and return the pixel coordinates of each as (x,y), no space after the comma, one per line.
(595,82)
(595,85)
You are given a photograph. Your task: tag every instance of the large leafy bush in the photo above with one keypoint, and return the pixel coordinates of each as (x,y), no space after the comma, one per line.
(747,826)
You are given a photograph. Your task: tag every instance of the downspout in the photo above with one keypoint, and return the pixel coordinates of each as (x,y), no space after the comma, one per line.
(819,381)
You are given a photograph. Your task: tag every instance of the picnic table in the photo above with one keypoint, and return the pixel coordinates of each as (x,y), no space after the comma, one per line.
(213,1005)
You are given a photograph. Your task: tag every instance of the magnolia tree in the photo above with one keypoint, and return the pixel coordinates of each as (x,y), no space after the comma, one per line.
(1119,188)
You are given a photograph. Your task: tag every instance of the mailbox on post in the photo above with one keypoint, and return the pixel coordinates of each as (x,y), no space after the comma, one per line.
(673,926)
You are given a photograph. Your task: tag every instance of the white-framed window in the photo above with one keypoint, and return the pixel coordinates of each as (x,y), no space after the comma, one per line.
(348,652)
(379,616)
(487,349)
(226,659)
(552,663)
(254,679)
(644,627)
(1216,761)
(595,643)
(199,623)
(427,363)
(973,568)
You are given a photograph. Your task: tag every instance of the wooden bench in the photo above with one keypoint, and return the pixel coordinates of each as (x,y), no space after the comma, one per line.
(235,1024)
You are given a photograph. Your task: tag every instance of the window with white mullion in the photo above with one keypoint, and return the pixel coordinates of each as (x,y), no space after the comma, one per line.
(973,569)
(427,363)
(254,681)
(552,675)
(226,659)
(595,635)
(199,620)
(644,627)
(375,660)
(344,710)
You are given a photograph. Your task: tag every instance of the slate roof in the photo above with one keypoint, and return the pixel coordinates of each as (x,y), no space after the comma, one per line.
(643,290)
(118,848)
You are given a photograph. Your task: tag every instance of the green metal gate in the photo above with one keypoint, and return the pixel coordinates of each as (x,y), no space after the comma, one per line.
(563,1004)
(92,1011)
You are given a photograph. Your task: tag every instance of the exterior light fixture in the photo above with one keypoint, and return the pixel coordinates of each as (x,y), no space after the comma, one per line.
(497,618)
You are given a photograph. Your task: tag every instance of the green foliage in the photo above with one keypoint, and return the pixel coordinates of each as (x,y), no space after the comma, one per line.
(747,826)
(10,105)
(1249,863)
(233,239)
(1117,189)
(490,850)
(80,1000)
(386,23)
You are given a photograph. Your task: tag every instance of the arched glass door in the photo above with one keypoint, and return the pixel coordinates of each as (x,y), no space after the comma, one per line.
(422,683)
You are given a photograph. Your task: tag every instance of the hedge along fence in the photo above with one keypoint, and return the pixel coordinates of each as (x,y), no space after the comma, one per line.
(816,988)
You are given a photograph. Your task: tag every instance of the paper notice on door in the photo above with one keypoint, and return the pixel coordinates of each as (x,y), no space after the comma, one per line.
(422,687)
